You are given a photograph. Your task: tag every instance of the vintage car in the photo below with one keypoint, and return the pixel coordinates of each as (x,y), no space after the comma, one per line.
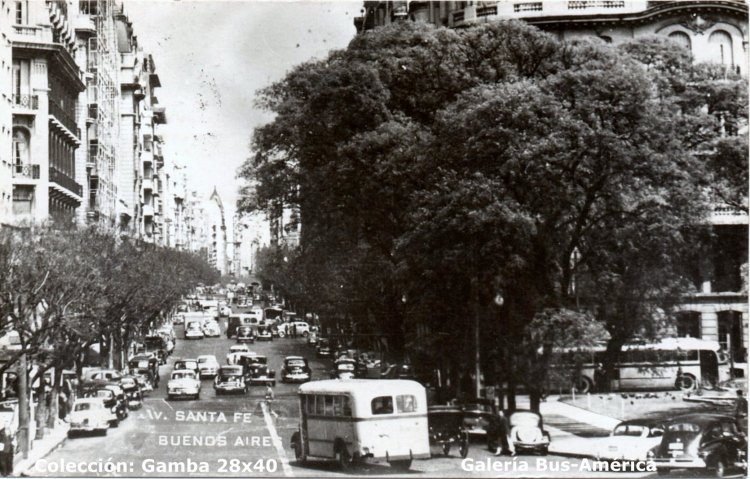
(257,371)
(184,382)
(630,440)
(191,364)
(110,401)
(144,377)
(235,352)
(102,374)
(90,414)
(344,368)
(245,334)
(194,329)
(264,333)
(132,391)
(323,348)
(158,345)
(211,329)
(701,441)
(295,370)
(208,366)
(446,427)
(478,415)
(231,379)
(527,432)
(312,338)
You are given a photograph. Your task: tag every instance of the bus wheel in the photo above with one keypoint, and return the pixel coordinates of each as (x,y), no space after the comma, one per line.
(720,468)
(583,385)
(686,382)
(404,465)
(343,458)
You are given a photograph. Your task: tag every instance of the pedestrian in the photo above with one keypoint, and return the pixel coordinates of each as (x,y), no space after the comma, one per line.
(503,433)
(740,411)
(6,453)
(269,393)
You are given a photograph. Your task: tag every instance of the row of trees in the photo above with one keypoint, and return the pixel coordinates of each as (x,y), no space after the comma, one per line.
(548,190)
(63,291)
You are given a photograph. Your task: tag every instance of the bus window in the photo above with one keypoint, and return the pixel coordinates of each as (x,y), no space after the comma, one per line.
(347,407)
(310,404)
(406,403)
(328,406)
(303,402)
(319,405)
(382,405)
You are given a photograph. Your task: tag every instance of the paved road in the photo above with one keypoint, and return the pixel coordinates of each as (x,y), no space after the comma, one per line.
(236,436)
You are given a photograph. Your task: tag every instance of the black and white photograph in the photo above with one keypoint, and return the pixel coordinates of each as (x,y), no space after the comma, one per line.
(347,238)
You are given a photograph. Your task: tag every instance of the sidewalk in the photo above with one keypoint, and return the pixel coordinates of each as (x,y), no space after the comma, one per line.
(40,448)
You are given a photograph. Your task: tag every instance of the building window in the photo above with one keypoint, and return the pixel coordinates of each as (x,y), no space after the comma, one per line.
(689,324)
(20,146)
(720,43)
(681,38)
(22,12)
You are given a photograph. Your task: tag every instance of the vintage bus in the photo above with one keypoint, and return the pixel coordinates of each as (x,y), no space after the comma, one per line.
(672,363)
(358,419)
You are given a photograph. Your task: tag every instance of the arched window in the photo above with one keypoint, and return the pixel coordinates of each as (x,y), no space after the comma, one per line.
(681,38)
(20,146)
(720,43)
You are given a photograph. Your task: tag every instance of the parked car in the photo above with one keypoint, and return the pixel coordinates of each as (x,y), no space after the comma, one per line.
(257,371)
(149,362)
(208,366)
(231,379)
(527,432)
(108,397)
(300,328)
(630,440)
(184,382)
(158,345)
(132,391)
(295,370)
(709,442)
(245,334)
(190,364)
(144,377)
(102,374)
(235,352)
(90,414)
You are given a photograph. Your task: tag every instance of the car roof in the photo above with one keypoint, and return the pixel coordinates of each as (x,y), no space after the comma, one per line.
(208,356)
(647,422)
(293,357)
(701,418)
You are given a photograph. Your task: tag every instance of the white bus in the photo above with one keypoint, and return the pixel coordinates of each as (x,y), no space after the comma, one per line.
(682,363)
(358,419)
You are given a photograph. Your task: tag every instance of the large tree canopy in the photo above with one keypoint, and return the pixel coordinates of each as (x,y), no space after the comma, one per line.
(436,169)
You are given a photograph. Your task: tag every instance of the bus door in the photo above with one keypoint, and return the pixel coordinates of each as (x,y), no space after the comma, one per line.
(303,422)
(709,367)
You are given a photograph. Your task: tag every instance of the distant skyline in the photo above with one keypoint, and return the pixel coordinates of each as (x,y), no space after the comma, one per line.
(212,56)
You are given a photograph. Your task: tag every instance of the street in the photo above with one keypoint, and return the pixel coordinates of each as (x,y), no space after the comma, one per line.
(238,436)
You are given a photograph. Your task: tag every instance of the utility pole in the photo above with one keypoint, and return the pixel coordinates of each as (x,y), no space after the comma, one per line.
(23,406)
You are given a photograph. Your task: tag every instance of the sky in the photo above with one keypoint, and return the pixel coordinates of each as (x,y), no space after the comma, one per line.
(212,56)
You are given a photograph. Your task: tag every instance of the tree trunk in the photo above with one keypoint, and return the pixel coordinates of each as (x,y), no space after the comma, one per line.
(41,407)
(511,377)
(535,398)
(54,407)
(614,346)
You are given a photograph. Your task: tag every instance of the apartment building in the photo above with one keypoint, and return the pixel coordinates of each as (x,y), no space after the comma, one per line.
(46,82)
(7,11)
(715,32)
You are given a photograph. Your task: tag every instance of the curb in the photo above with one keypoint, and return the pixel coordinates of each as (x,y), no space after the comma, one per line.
(22,468)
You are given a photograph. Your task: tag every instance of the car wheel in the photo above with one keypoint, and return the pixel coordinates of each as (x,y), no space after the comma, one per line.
(686,382)
(343,458)
(463,448)
(583,385)
(305,334)
(446,449)
(720,468)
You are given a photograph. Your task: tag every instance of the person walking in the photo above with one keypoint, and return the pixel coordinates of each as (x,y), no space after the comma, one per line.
(6,453)
(503,432)
(740,411)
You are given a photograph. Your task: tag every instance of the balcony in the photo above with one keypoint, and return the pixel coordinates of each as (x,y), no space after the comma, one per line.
(28,171)
(62,116)
(27,102)
(66,182)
